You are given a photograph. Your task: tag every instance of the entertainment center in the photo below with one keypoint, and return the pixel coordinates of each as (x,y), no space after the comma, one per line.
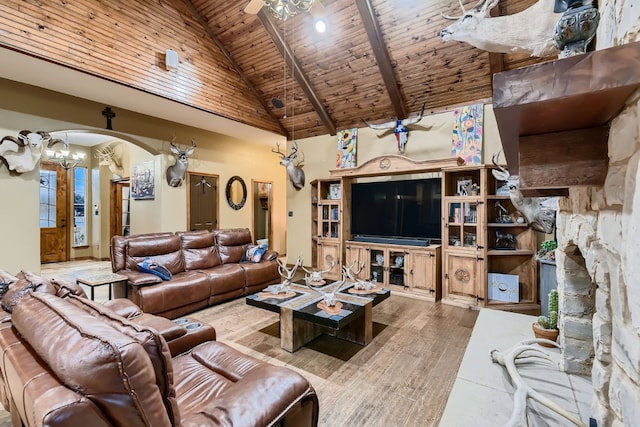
(434,230)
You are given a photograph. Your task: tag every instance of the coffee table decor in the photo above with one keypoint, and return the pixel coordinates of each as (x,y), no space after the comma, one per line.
(359,286)
(281,290)
(314,277)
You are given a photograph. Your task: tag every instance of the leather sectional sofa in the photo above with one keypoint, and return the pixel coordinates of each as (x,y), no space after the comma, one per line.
(206,268)
(68,361)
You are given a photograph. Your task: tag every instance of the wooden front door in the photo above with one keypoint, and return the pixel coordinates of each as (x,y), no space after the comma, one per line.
(54,202)
(119,208)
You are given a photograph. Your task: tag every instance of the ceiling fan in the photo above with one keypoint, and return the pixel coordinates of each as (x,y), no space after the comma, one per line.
(283,9)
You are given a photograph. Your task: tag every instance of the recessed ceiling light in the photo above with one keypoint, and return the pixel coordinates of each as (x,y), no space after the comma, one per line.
(320,25)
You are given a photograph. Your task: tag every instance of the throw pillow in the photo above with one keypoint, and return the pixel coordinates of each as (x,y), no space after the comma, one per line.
(150,266)
(254,253)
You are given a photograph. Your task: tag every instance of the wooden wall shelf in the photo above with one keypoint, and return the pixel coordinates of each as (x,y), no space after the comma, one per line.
(554,117)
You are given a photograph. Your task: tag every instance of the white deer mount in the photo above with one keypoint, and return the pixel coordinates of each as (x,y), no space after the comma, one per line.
(107,156)
(286,274)
(529,31)
(294,170)
(354,275)
(314,277)
(535,209)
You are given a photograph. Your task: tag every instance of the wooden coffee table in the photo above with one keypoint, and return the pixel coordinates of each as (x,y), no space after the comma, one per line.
(100,279)
(301,320)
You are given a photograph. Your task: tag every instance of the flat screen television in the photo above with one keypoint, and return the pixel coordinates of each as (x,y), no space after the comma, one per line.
(407,209)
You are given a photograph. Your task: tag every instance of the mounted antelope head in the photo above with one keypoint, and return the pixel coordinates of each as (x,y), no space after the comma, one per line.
(176,172)
(400,129)
(540,217)
(107,157)
(294,171)
(529,31)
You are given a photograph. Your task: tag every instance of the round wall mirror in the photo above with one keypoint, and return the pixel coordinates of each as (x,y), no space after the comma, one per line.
(236,192)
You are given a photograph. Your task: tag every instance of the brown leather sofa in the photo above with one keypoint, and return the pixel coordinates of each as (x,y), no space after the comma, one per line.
(73,362)
(206,268)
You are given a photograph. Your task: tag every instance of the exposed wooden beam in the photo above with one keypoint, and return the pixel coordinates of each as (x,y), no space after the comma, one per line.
(233,63)
(298,74)
(382,56)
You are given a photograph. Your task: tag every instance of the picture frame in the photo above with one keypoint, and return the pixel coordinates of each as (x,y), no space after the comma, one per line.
(142,181)
(334,192)
(462,185)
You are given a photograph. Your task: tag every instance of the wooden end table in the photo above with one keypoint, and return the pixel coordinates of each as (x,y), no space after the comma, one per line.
(100,279)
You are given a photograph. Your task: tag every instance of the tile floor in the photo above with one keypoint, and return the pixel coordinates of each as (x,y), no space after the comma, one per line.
(483,389)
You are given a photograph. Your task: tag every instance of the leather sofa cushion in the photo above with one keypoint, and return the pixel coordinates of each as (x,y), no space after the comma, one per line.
(26,282)
(183,289)
(94,359)
(199,250)
(163,249)
(219,385)
(232,243)
(152,342)
(225,278)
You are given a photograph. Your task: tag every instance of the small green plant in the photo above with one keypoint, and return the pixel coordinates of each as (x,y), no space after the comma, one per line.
(547,249)
(550,322)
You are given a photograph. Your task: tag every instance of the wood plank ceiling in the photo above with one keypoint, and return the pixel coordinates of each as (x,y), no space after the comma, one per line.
(379,59)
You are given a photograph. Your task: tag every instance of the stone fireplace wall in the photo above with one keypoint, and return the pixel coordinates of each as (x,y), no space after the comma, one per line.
(598,256)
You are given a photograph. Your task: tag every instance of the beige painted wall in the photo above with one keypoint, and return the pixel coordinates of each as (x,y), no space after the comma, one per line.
(27,107)
(320,158)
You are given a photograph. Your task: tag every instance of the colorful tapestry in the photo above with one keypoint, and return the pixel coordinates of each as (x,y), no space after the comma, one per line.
(347,140)
(467,133)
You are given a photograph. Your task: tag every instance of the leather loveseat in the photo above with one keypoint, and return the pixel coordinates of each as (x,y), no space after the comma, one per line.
(73,362)
(206,268)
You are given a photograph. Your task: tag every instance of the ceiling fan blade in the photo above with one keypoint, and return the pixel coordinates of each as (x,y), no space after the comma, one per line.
(253,7)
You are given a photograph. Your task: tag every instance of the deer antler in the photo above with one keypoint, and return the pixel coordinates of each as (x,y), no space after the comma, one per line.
(283,155)
(287,274)
(502,174)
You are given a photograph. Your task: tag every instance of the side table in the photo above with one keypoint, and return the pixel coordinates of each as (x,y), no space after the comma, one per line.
(100,279)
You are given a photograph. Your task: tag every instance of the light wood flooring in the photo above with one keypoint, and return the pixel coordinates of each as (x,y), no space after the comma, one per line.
(402,378)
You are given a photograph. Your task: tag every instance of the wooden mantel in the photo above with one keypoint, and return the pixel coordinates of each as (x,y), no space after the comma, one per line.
(395,164)
(554,117)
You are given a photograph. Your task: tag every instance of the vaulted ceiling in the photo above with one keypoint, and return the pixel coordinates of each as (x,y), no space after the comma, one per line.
(378,60)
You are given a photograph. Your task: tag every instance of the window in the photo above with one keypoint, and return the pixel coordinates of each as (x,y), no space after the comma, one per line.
(48,199)
(79,206)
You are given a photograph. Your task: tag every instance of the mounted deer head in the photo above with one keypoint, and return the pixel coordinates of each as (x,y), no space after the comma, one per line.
(529,31)
(295,172)
(400,129)
(177,171)
(107,157)
(539,217)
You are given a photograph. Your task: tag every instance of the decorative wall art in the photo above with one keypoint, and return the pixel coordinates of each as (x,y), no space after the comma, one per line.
(142,185)
(347,141)
(466,141)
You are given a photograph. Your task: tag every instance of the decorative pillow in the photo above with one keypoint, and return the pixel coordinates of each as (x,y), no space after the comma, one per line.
(150,266)
(254,253)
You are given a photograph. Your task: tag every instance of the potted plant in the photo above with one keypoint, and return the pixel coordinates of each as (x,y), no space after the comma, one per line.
(547,250)
(547,326)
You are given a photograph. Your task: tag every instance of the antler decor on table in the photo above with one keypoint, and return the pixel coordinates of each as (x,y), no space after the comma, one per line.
(314,277)
(287,277)
(358,283)
(329,302)
(521,353)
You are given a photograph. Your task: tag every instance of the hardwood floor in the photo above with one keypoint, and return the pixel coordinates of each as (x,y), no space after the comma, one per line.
(402,378)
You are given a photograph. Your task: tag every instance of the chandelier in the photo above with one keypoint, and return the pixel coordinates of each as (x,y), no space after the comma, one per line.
(65,157)
(283,9)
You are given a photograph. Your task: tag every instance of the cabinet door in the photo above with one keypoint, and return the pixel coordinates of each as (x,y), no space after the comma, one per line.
(462,275)
(357,255)
(377,267)
(328,251)
(421,274)
(396,267)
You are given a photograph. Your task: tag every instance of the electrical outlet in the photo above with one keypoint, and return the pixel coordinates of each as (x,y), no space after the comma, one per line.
(290,213)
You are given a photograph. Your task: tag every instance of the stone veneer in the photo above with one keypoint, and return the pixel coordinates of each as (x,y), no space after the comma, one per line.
(598,263)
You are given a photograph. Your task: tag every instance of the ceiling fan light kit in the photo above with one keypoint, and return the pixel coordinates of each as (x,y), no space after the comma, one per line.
(281,9)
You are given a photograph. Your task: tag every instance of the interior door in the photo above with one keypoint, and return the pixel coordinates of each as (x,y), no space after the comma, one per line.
(202,201)
(54,211)
(262,211)
(119,207)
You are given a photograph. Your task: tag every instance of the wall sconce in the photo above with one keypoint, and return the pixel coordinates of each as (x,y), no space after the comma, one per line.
(66,158)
